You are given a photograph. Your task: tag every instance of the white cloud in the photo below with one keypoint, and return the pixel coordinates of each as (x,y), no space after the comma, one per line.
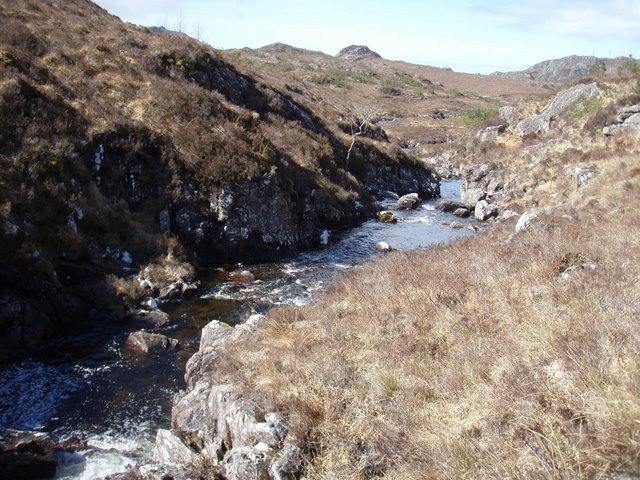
(589,18)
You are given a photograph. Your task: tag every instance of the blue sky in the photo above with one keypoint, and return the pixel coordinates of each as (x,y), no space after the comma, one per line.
(466,35)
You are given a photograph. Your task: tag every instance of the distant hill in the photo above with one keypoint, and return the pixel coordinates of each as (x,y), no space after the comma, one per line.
(570,68)
(358,52)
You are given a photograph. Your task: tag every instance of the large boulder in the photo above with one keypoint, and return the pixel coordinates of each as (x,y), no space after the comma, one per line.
(485,210)
(408,202)
(26,455)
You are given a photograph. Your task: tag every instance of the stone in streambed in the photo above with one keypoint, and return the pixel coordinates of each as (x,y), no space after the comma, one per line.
(145,342)
(408,202)
(450,205)
(26,455)
(387,217)
(462,212)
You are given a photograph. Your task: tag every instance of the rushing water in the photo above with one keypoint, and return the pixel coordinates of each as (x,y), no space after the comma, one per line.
(87,389)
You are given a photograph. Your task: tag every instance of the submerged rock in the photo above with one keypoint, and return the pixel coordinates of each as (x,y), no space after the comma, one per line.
(26,455)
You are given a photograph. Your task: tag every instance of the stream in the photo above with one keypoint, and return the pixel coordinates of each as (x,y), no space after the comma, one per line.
(87,389)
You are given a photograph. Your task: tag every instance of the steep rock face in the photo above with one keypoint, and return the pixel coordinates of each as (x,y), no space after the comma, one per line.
(357,52)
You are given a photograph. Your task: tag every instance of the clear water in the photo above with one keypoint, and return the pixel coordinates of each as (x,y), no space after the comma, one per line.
(88,389)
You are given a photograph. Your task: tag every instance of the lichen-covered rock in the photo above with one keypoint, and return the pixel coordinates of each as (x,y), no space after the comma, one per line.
(508,115)
(450,205)
(462,212)
(387,217)
(472,196)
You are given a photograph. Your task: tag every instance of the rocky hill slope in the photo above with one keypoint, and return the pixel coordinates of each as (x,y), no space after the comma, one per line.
(121,147)
(575,67)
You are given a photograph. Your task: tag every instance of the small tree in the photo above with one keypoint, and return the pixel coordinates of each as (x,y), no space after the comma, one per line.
(598,68)
(360,119)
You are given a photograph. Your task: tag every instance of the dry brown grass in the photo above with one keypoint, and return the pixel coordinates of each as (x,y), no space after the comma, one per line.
(474,360)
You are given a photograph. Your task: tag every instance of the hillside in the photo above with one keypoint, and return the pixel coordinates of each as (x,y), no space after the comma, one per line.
(574,67)
(123,147)
(419,104)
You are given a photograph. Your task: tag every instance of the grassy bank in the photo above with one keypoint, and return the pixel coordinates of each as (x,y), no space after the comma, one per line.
(476,359)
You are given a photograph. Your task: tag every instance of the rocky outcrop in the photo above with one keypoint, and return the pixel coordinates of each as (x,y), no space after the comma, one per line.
(561,103)
(212,423)
(26,455)
(627,121)
(480,188)
(357,52)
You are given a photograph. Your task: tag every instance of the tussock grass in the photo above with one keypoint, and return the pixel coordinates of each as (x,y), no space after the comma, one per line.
(472,360)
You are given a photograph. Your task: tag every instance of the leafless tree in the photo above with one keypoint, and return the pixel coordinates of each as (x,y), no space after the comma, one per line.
(360,118)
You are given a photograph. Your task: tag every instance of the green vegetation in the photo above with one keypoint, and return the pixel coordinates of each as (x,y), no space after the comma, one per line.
(598,69)
(478,116)
(587,106)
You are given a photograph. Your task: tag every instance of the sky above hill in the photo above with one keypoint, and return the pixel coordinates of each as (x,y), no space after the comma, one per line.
(475,36)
